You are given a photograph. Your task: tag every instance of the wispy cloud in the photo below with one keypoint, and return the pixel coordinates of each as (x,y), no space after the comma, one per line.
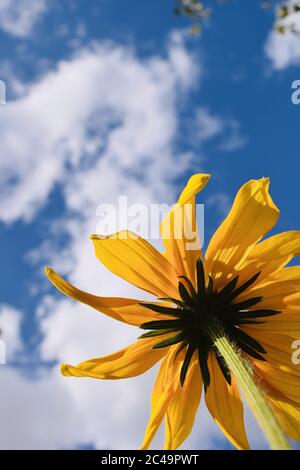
(18,18)
(224,132)
(233,139)
(206,125)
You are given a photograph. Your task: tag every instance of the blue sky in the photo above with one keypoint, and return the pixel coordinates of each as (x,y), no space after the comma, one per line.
(107,98)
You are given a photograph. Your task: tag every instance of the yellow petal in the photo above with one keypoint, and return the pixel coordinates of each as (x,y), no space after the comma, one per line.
(179,229)
(288,416)
(165,386)
(183,407)
(271,255)
(225,405)
(128,362)
(282,383)
(283,283)
(281,291)
(285,323)
(125,310)
(135,260)
(252,215)
(278,349)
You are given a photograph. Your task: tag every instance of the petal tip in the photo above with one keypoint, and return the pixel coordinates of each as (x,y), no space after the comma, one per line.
(265,181)
(64,369)
(200,178)
(48,271)
(120,235)
(95,236)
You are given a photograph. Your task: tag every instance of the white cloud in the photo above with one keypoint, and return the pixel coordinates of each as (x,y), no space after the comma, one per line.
(283,50)
(18,18)
(233,138)
(10,323)
(37,414)
(102,112)
(207,126)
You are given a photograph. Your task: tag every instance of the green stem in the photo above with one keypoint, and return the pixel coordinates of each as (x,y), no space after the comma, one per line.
(243,372)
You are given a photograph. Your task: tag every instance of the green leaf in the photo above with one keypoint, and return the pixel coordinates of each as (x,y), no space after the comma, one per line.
(203,352)
(192,292)
(234,309)
(243,287)
(153,333)
(239,334)
(184,294)
(224,368)
(186,363)
(283,12)
(228,289)
(162,309)
(210,286)
(170,341)
(250,351)
(162,325)
(174,301)
(258,314)
(200,278)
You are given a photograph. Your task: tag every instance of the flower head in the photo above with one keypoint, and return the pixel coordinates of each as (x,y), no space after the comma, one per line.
(239,295)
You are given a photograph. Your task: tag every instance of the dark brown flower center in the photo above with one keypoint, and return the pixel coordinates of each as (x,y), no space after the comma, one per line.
(201,310)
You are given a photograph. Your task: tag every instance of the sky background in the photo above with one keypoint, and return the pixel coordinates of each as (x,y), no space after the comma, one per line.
(109,98)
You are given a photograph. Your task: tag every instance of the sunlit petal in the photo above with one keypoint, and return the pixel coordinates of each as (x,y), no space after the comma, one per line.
(225,406)
(166,384)
(183,407)
(252,215)
(128,311)
(128,362)
(138,262)
(179,229)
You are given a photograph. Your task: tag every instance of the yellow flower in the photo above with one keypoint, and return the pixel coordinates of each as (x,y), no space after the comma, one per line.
(241,288)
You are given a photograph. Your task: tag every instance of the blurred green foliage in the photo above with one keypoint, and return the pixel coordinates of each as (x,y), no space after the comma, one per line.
(200,10)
